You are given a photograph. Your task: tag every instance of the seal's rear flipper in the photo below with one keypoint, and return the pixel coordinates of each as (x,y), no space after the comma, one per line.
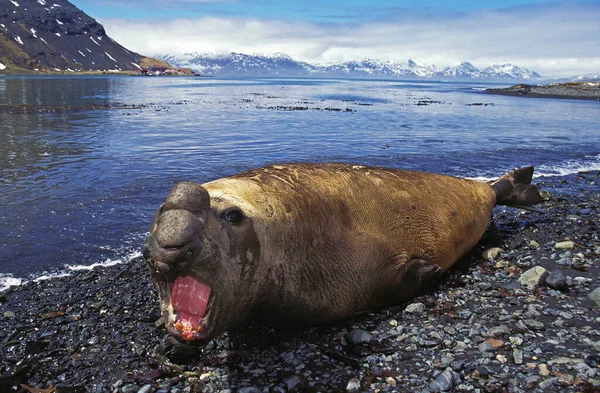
(515,189)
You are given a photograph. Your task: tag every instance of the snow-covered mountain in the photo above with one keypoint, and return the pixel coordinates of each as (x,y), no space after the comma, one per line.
(463,70)
(376,69)
(586,78)
(509,71)
(57,36)
(238,64)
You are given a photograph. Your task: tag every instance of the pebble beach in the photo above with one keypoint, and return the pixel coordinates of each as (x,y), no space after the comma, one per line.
(520,313)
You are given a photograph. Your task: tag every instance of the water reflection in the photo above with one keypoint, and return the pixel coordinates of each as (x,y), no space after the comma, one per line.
(81,186)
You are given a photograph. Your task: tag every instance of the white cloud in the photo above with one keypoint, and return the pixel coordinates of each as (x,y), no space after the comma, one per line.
(558,40)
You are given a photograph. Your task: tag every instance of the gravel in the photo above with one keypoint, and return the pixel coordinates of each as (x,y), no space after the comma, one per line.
(480,330)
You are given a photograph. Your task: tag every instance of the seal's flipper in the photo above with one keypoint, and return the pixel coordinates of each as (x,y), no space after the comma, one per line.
(515,189)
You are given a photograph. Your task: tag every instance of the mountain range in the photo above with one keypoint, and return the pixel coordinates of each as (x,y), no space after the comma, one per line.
(239,64)
(54,35)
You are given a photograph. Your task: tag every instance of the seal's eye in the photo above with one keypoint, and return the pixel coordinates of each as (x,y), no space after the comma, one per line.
(233,215)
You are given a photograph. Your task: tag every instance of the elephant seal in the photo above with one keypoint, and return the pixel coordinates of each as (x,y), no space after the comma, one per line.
(302,244)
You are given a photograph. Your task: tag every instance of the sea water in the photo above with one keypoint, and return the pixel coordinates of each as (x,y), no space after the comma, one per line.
(85,161)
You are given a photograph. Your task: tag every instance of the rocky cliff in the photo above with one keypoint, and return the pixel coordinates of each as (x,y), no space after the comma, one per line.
(40,35)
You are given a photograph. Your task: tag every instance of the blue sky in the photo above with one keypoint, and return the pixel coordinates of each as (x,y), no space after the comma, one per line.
(308,10)
(555,38)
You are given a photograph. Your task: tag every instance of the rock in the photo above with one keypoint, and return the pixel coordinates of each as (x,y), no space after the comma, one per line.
(293,383)
(533,277)
(353,385)
(566,380)
(491,253)
(9,314)
(63,388)
(592,360)
(145,389)
(565,360)
(548,383)
(130,388)
(585,370)
(288,357)
(568,245)
(497,331)
(533,324)
(518,356)
(532,381)
(485,347)
(595,296)
(565,262)
(415,308)
(516,340)
(543,370)
(495,342)
(391,381)
(443,382)
(556,280)
(580,281)
(359,336)
(205,376)
(249,389)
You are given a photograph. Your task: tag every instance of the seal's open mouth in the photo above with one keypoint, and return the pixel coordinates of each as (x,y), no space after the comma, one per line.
(189,301)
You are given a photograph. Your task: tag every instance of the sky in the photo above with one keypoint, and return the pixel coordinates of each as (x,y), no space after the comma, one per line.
(555,38)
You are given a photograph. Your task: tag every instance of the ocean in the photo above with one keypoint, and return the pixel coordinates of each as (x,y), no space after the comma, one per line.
(85,161)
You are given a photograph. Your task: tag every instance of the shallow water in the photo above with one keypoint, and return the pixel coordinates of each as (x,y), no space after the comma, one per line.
(80,186)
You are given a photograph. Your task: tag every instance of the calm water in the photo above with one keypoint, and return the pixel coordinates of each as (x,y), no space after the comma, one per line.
(81,187)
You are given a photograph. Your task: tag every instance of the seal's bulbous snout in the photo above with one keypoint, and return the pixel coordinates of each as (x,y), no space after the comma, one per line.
(188,196)
(178,224)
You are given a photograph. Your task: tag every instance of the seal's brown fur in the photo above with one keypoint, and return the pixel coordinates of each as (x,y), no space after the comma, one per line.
(320,242)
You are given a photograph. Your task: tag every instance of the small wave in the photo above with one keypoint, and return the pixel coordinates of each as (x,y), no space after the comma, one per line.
(568,168)
(7,280)
(50,276)
(565,168)
(107,263)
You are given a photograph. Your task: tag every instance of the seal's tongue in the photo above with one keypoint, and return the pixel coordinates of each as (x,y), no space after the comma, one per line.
(189,298)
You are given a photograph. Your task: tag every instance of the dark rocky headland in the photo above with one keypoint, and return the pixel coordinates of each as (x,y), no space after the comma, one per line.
(570,90)
(520,318)
(57,37)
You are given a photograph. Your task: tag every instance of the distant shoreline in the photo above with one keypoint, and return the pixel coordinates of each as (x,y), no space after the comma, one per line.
(570,90)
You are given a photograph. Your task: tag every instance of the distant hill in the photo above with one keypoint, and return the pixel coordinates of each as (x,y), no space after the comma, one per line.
(54,35)
(586,78)
(239,64)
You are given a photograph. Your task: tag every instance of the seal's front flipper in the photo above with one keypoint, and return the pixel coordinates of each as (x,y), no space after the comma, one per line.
(407,279)
(515,189)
